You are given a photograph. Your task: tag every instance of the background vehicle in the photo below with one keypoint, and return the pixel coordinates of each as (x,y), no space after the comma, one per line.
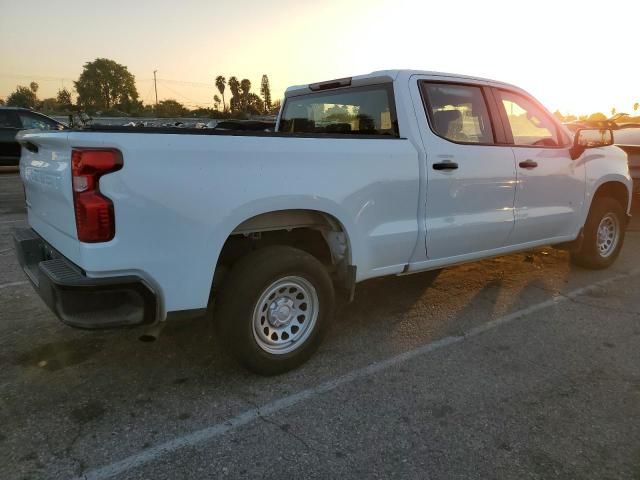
(12,120)
(625,136)
(628,139)
(389,173)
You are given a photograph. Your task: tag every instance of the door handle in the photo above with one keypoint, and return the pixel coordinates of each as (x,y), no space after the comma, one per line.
(445,166)
(528,164)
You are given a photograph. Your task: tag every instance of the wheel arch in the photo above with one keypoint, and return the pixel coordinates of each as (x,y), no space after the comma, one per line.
(612,188)
(312,230)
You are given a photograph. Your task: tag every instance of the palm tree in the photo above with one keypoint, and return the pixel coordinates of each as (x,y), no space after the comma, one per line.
(216,102)
(635,107)
(245,88)
(221,82)
(234,86)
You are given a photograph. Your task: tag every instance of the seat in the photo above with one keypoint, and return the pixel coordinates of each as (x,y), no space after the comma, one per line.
(448,123)
(366,124)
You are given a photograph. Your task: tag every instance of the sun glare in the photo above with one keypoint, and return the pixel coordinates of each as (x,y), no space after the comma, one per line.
(565,53)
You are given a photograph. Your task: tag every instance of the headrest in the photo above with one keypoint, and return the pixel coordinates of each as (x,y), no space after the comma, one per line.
(444,118)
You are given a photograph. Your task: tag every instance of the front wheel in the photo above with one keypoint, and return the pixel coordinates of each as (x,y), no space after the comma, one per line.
(603,235)
(275,306)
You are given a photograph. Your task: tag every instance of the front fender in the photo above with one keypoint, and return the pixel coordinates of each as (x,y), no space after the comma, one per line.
(605,165)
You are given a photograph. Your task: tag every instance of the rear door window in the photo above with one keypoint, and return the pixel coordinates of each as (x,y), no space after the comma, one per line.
(8,119)
(32,121)
(458,112)
(365,110)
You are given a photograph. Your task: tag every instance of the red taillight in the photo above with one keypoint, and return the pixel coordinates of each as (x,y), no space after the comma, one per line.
(95,220)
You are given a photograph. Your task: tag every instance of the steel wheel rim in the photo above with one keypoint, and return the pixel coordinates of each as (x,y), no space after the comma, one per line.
(607,235)
(285,315)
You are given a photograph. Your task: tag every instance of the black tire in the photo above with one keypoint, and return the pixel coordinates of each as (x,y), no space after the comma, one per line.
(589,254)
(245,285)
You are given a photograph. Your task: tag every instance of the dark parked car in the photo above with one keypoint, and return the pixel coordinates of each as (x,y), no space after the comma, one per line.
(12,120)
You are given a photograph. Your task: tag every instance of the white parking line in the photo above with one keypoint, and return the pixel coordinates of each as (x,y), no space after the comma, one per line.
(248,416)
(2,222)
(12,284)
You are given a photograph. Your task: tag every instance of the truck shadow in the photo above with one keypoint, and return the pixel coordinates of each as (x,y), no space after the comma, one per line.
(424,305)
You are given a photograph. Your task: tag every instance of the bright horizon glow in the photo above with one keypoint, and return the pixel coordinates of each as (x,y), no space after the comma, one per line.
(574,56)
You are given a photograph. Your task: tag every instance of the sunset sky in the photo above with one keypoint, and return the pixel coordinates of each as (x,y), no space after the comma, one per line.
(575,56)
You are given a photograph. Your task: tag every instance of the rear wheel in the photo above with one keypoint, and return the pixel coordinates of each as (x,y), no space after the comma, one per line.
(275,306)
(603,235)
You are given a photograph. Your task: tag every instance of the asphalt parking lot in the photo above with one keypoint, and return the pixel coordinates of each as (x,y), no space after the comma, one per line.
(518,367)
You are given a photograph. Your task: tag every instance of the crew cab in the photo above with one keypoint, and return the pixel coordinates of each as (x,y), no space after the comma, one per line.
(390,173)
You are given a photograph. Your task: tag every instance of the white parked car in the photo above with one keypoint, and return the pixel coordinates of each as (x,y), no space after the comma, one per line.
(389,173)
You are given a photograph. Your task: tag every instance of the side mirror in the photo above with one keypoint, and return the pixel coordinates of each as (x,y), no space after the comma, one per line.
(590,138)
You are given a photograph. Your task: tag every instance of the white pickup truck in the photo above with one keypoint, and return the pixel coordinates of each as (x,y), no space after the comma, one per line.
(389,173)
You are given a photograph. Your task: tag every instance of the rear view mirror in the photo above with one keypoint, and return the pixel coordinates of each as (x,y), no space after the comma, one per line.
(590,138)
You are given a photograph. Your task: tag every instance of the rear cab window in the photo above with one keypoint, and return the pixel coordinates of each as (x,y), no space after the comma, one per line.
(367,110)
(458,112)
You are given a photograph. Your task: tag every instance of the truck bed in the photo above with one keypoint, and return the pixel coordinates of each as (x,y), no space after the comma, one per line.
(221,133)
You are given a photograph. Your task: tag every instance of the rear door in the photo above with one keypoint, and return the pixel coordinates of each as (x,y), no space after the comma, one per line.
(9,148)
(550,185)
(470,171)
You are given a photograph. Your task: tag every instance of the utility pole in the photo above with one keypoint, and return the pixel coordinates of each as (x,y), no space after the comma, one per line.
(155,86)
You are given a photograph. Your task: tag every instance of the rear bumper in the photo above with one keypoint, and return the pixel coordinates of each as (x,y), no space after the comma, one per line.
(78,300)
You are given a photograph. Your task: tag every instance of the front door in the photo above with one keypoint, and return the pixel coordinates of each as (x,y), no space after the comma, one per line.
(550,185)
(471,177)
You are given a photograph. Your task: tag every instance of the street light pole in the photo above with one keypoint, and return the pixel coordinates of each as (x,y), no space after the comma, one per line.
(155,86)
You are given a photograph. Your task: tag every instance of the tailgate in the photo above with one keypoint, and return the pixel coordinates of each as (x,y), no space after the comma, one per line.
(45,169)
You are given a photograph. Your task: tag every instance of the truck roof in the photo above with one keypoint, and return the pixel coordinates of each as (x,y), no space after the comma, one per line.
(381,76)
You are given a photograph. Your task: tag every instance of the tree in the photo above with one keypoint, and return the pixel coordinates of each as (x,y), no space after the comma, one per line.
(1,101)
(64,99)
(635,107)
(613,111)
(245,89)
(253,104)
(221,83)
(23,97)
(49,105)
(597,117)
(265,91)
(275,107)
(339,113)
(105,85)
(170,108)
(234,86)
(558,115)
(216,102)
(33,86)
